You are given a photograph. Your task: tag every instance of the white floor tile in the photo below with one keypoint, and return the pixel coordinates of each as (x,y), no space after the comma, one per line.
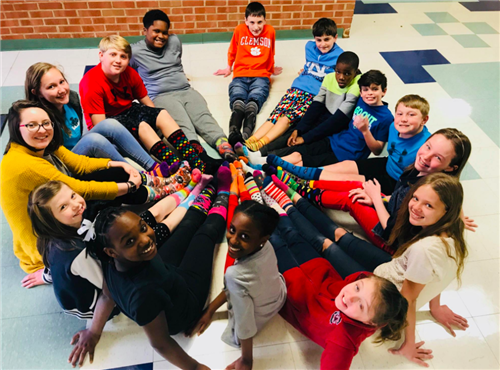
(479,200)
(489,327)
(488,232)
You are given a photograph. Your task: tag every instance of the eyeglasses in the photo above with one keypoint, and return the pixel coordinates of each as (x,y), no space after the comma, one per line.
(35,127)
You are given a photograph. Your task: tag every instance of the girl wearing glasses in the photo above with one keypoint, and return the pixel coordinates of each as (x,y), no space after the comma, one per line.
(35,155)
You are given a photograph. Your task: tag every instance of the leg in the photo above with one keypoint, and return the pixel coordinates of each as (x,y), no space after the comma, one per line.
(341,261)
(263,130)
(286,260)
(322,222)
(117,134)
(173,103)
(307,229)
(294,158)
(97,146)
(279,128)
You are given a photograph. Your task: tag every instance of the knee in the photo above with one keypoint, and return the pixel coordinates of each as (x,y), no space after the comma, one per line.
(339,233)
(97,140)
(111,123)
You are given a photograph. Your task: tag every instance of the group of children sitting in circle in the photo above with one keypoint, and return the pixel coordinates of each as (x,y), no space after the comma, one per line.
(63,192)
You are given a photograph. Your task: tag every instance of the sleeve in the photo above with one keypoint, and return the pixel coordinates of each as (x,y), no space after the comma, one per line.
(80,164)
(88,268)
(310,118)
(321,97)
(148,305)
(348,105)
(92,98)
(231,54)
(336,357)
(138,89)
(273,50)
(419,268)
(243,307)
(334,124)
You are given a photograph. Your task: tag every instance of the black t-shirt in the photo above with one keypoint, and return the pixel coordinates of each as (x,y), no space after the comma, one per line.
(152,287)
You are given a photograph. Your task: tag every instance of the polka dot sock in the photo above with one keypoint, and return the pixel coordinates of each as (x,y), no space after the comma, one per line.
(161,151)
(182,144)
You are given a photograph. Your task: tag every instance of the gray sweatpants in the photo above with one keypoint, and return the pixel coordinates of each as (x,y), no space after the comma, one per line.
(189,109)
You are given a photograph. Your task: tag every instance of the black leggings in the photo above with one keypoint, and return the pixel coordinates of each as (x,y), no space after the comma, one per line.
(117,174)
(193,252)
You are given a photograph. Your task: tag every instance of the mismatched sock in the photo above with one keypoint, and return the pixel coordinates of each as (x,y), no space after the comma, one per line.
(182,144)
(278,195)
(161,151)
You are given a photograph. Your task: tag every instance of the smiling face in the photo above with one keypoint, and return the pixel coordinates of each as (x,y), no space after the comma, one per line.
(113,63)
(344,74)
(372,95)
(356,300)
(255,24)
(325,43)
(156,35)
(132,239)
(425,207)
(54,88)
(39,138)
(243,236)
(435,155)
(67,207)
(408,121)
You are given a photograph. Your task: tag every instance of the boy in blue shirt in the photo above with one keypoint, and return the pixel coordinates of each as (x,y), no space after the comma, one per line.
(321,58)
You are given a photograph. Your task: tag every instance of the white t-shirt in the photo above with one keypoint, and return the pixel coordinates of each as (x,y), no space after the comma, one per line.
(424,262)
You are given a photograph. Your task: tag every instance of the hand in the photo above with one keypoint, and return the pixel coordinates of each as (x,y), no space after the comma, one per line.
(300,71)
(469,223)
(33,279)
(135,176)
(292,138)
(447,317)
(85,342)
(299,141)
(202,324)
(414,353)
(361,123)
(240,364)
(372,188)
(360,196)
(223,72)
(202,367)
(277,70)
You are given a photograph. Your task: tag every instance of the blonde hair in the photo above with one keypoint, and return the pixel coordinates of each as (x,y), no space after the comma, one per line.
(117,42)
(415,102)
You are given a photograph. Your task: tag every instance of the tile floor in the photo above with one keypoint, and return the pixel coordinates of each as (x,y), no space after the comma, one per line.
(452,57)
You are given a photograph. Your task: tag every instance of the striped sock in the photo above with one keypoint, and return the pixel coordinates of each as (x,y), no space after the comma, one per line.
(253,189)
(182,144)
(205,179)
(278,209)
(286,178)
(204,200)
(223,183)
(161,151)
(307,173)
(288,190)
(278,195)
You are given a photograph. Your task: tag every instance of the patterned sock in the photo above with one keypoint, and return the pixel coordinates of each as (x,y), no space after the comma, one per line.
(278,209)
(180,195)
(246,168)
(251,139)
(233,188)
(253,189)
(226,150)
(259,179)
(163,169)
(222,200)
(238,148)
(285,177)
(161,151)
(313,195)
(197,146)
(212,164)
(268,169)
(254,146)
(204,200)
(307,173)
(251,109)
(256,160)
(288,190)
(182,144)
(154,193)
(244,194)
(278,195)
(239,168)
(205,179)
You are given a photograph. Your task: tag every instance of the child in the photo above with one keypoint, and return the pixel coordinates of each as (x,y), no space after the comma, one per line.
(163,290)
(251,58)
(157,59)
(321,58)
(254,289)
(337,314)
(406,135)
(109,89)
(367,132)
(46,84)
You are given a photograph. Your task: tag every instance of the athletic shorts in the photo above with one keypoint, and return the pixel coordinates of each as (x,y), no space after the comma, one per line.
(136,114)
(292,105)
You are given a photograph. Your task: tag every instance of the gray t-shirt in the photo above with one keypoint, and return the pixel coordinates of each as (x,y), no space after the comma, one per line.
(255,292)
(161,71)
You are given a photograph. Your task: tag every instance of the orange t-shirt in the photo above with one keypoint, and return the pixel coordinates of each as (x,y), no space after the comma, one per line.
(252,56)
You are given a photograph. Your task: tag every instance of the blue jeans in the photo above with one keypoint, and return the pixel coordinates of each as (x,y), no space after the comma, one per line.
(249,88)
(110,139)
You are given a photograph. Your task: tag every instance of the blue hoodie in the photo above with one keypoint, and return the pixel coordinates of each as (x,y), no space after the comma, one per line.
(317,66)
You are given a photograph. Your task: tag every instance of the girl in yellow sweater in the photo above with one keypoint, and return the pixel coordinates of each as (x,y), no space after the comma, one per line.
(34,156)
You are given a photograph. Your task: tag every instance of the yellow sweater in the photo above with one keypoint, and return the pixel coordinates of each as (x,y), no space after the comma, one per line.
(22,171)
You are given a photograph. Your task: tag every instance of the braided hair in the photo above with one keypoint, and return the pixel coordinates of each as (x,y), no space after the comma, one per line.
(265,217)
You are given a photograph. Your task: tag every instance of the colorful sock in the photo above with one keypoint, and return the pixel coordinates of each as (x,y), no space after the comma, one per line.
(259,179)
(252,139)
(278,209)
(204,200)
(278,195)
(225,149)
(154,193)
(182,177)
(255,158)
(268,169)
(162,152)
(182,144)
(253,189)
(313,195)
(233,189)
(238,148)
(267,199)
(246,168)
(242,158)
(223,184)
(180,195)
(285,177)
(244,194)
(205,179)
(307,173)
(288,190)
(254,146)
(251,110)
(239,168)
(212,164)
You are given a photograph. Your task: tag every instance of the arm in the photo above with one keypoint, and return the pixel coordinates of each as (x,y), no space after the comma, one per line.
(147,101)
(445,316)
(168,348)
(96,118)
(334,124)
(205,320)
(373,189)
(86,340)
(362,124)
(409,348)
(231,56)
(336,357)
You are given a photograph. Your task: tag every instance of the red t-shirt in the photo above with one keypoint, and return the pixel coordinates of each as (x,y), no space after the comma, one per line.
(252,56)
(310,308)
(99,95)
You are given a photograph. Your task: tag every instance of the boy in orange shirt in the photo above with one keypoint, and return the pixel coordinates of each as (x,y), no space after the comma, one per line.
(251,59)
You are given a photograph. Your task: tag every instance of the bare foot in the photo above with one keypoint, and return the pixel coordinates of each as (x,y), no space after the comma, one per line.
(339,233)
(33,279)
